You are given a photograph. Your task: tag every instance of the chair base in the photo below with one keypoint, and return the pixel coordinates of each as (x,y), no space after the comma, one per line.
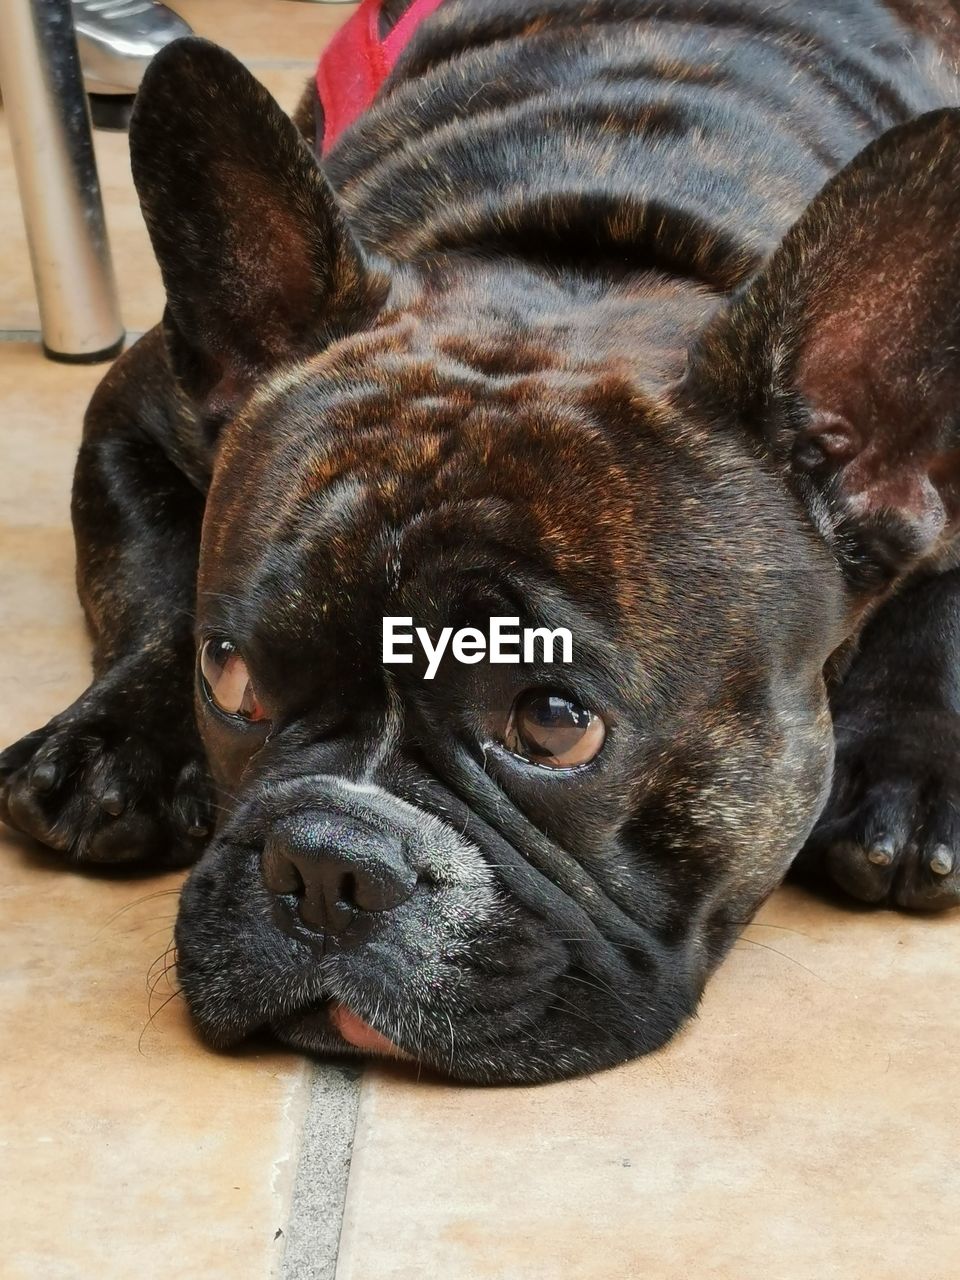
(86,357)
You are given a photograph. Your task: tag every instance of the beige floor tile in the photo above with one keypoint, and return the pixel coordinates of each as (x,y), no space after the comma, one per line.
(803,1128)
(126,1149)
(265,30)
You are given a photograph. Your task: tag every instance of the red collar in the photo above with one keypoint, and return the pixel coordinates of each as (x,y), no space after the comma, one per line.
(356,62)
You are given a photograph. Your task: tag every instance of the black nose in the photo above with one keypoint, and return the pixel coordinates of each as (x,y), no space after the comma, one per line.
(339,869)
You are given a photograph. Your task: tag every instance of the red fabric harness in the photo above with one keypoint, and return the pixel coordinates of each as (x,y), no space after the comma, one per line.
(356,62)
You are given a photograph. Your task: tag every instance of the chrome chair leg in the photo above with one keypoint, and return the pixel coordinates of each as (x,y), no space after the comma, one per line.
(46,109)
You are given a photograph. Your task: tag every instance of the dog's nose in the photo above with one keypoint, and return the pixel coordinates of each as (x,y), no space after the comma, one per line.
(338,869)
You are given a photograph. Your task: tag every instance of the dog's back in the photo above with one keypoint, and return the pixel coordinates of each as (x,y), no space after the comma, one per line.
(628,133)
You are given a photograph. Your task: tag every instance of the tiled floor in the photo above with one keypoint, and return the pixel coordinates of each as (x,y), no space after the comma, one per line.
(805,1127)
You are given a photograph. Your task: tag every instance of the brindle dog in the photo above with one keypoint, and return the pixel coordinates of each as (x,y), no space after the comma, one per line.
(639,318)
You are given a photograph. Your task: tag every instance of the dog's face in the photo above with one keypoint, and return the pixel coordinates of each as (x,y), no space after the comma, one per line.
(517,871)
(581,841)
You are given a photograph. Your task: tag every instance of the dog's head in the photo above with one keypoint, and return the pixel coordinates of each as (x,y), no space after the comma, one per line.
(521,870)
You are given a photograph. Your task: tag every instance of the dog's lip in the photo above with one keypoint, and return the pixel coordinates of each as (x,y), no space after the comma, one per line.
(352,1028)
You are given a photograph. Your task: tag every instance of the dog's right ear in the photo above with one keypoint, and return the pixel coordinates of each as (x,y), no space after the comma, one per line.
(260,266)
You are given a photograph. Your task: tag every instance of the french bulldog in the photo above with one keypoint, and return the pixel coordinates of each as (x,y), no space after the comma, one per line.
(633,318)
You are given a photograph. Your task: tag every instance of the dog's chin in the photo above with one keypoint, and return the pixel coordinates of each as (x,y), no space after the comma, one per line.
(506,1047)
(330,1028)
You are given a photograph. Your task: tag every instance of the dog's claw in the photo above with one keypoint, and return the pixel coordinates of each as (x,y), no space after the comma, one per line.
(112,803)
(192,804)
(43,777)
(881,855)
(941,863)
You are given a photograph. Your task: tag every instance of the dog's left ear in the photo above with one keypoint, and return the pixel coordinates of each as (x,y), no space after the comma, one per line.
(843,355)
(260,265)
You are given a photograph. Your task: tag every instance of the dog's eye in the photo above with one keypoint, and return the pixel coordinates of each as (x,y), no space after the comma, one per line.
(549,729)
(227,680)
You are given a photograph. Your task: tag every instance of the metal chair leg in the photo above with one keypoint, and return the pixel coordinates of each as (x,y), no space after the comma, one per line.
(46,108)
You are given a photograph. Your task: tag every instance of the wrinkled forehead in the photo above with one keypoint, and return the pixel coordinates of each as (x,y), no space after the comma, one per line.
(384,481)
(360,463)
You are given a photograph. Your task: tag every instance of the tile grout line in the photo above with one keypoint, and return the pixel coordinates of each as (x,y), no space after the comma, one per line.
(315,1218)
(358,1173)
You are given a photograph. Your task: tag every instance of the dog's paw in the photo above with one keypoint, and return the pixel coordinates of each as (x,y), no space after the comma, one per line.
(96,787)
(890,834)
